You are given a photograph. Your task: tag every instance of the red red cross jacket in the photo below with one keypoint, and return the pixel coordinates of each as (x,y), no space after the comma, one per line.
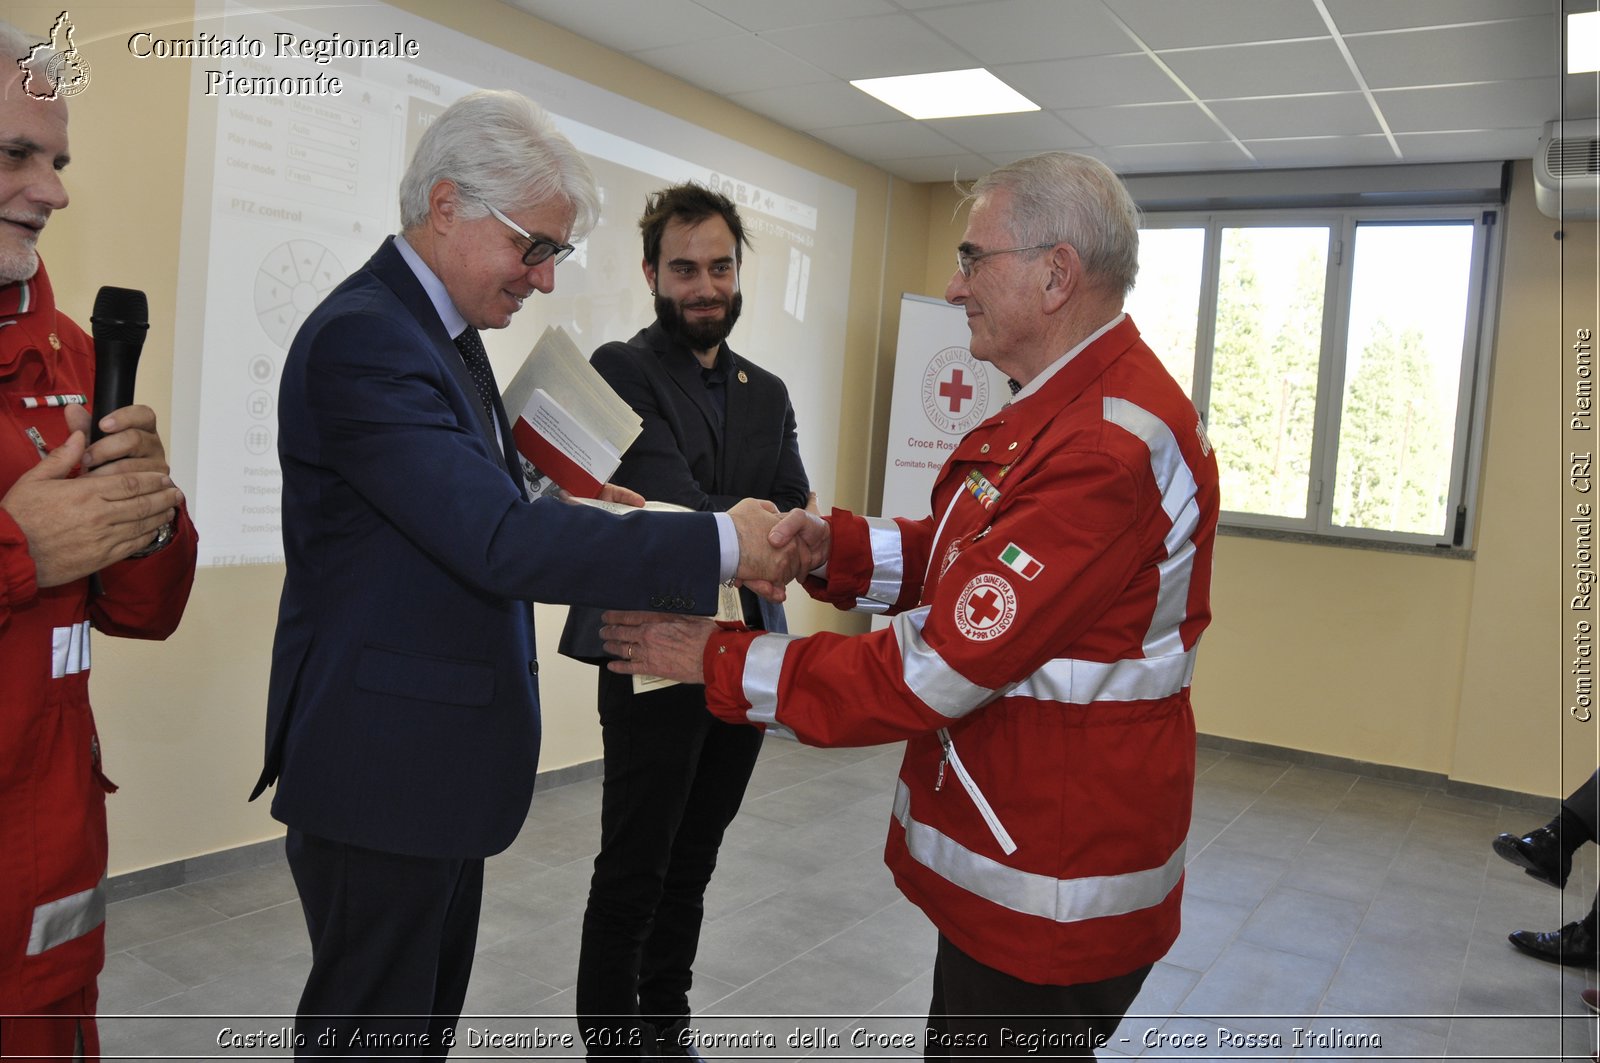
(52,790)
(1038,665)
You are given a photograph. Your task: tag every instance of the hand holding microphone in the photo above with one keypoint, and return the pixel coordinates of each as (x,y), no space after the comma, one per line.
(120,320)
(124,503)
(124,440)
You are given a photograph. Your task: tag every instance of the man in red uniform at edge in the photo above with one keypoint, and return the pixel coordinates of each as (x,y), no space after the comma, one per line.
(1039,662)
(111,509)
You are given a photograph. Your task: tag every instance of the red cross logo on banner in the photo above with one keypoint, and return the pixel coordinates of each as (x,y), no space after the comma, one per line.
(986,608)
(956,390)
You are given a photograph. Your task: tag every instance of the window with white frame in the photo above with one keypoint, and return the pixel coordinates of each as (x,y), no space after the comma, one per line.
(1337,359)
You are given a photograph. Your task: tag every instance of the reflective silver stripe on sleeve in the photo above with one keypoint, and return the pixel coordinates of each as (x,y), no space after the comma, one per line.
(69,650)
(1073,682)
(939,686)
(888,562)
(67,919)
(763,664)
(867,605)
(1179,499)
(1061,900)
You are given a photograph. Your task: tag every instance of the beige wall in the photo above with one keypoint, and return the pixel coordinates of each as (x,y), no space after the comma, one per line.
(1444,665)
(1512,728)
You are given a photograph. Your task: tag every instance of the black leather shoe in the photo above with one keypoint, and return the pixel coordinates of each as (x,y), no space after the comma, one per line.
(1573,945)
(1539,853)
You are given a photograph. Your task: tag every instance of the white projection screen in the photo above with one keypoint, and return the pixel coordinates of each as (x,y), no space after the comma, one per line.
(287,195)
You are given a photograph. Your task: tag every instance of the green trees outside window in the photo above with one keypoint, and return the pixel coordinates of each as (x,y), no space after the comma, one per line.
(1332,355)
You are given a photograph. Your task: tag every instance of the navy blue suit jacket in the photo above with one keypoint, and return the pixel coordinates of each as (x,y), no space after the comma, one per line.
(683,456)
(403,706)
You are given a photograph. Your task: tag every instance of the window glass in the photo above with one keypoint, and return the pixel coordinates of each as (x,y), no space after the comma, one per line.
(1165,303)
(1402,376)
(1266,355)
(1330,352)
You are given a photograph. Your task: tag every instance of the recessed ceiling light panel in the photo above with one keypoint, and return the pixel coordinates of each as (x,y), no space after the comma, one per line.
(1583,42)
(948,94)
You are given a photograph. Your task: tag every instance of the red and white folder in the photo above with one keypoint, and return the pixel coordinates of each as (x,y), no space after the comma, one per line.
(569,427)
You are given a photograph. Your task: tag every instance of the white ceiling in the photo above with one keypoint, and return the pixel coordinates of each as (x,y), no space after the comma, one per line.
(1146,85)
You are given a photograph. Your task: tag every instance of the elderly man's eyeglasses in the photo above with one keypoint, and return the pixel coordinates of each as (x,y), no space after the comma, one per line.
(965,260)
(539,249)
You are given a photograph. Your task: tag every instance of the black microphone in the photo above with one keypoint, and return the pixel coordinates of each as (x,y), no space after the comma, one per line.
(119,322)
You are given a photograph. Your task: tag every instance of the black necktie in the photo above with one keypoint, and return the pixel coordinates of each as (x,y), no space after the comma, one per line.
(477,360)
(1013,385)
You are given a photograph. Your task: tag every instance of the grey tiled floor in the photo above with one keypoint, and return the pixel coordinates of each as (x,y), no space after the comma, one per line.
(1369,913)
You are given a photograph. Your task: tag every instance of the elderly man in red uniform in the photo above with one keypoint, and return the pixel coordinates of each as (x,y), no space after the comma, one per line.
(67,510)
(1046,618)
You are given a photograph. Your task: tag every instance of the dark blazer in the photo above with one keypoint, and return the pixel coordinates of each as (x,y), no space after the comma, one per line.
(681,457)
(403,706)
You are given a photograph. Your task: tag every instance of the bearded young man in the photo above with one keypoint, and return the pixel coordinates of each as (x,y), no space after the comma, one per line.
(717,428)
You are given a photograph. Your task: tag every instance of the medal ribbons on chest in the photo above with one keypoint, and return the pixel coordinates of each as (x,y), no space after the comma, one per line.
(982,488)
(979,487)
(986,494)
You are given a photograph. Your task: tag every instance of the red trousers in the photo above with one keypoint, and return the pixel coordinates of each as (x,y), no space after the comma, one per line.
(64,1030)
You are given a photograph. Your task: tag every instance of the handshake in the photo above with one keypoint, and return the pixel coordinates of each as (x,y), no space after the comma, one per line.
(774,548)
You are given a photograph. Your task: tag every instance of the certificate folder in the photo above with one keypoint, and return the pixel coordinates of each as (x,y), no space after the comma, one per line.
(569,427)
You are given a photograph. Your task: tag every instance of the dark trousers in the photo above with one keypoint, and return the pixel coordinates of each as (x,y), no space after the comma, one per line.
(674,777)
(1584,802)
(978,1012)
(392,939)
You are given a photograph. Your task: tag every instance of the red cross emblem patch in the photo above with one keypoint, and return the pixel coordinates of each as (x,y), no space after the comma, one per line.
(986,608)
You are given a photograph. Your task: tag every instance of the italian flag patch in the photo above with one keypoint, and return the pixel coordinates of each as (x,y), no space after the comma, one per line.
(1020,561)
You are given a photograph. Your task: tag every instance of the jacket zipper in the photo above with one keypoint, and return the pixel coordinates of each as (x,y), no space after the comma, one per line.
(967,783)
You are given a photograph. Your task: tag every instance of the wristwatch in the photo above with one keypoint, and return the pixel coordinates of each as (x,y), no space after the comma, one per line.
(159,543)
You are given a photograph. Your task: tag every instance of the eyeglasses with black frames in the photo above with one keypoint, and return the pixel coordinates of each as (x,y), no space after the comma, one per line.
(539,249)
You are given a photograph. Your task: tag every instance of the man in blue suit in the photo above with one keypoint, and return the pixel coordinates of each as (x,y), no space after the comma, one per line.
(403,710)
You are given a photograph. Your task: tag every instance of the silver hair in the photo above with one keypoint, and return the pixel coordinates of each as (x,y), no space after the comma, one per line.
(498,148)
(1060,197)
